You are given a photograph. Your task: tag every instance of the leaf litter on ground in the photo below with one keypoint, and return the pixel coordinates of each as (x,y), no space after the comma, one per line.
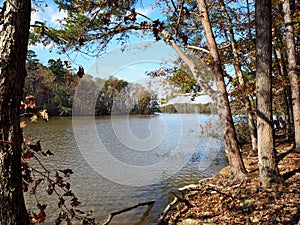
(219,200)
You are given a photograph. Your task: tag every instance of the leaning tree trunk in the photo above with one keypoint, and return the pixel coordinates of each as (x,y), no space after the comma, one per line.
(13,50)
(238,72)
(223,108)
(292,70)
(268,170)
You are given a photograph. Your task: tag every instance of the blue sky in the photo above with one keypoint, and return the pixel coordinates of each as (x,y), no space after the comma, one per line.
(131,64)
(136,60)
(51,15)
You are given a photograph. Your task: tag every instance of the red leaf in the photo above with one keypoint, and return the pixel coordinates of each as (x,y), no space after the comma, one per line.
(59,180)
(68,193)
(32,191)
(68,185)
(50,191)
(37,182)
(27,155)
(31,105)
(67,172)
(42,216)
(24,165)
(48,153)
(72,212)
(68,221)
(25,187)
(57,221)
(75,202)
(37,147)
(42,207)
(38,218)
(80,72)
(60,202)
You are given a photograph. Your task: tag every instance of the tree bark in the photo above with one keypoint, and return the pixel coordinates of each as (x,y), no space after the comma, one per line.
(13,50)
(286,96)
(234,157)
(292,70)
(239,74)
(268,170)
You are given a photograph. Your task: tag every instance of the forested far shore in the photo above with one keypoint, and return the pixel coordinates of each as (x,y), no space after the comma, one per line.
(62,91)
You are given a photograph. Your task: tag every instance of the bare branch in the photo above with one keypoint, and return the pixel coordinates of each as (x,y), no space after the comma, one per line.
(142,15)
(196,48)
(174,6)
(195,71)
(111,215)
(179,17)
(166,210)
(224,46)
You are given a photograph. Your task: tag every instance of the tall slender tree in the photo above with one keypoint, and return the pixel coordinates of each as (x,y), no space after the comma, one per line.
(292,69)
(238,71)
(268,170)
(221,99)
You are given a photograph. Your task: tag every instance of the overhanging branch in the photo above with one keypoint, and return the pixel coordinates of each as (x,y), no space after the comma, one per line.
(196,48)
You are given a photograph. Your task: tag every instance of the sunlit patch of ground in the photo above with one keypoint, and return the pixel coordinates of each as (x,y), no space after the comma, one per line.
(219,201)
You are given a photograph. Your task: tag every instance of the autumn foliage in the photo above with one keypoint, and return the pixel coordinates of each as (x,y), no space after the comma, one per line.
(41,179)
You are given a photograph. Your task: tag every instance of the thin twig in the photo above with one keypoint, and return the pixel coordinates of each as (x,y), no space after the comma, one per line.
(7,142)
(41,164)
(179,17)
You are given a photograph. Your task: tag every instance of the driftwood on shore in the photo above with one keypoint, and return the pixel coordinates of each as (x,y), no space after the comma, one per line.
(176,200)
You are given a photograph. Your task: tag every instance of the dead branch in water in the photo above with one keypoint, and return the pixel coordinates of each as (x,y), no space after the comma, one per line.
(111,215)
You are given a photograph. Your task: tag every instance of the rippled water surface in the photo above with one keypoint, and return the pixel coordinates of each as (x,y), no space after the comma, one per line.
(119,161)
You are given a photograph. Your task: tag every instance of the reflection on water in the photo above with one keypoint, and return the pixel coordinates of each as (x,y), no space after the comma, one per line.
(139,142)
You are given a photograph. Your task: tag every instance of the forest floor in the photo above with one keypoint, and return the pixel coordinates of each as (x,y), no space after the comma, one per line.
(219,200)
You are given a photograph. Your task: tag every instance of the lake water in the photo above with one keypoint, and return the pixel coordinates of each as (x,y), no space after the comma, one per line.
(119,161)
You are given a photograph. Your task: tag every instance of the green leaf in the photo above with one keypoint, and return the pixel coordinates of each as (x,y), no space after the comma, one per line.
(34,119)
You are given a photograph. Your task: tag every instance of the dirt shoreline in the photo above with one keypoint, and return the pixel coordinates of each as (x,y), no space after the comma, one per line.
(218,200)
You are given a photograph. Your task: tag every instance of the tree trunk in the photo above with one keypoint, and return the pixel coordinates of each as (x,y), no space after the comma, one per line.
(239,74)
(268,170)
(286,91)
(292,70)
(13,50)
(223,108)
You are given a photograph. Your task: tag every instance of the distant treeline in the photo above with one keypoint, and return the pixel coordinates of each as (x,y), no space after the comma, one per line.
(62,91)
(189,108)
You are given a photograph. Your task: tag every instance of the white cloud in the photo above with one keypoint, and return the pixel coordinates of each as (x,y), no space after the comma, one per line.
(35,17)
(57,16)
(144,11)
(49,14)
(39,46)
